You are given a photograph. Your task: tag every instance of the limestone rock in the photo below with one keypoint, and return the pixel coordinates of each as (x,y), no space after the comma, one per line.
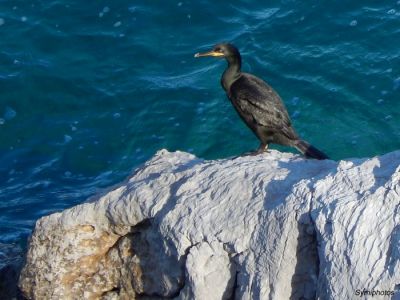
(273,226)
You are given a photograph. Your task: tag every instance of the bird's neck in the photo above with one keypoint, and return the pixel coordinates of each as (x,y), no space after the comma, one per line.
(232,72)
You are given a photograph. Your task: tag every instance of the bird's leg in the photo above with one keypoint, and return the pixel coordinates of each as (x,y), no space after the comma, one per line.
(261,149)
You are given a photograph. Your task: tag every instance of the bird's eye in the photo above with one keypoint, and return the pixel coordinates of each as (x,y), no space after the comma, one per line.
(217,50)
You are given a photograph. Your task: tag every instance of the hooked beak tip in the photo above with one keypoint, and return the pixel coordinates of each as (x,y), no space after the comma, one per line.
(197,55)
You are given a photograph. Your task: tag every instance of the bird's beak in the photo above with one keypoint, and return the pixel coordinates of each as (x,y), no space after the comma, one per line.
(209,53)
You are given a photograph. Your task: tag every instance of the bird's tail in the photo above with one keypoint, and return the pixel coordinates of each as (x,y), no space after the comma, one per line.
(309,150)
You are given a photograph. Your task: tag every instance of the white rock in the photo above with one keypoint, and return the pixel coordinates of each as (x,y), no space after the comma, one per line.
(273,226)
(209,271)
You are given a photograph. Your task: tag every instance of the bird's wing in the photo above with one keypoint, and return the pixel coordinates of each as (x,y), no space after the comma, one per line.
(255,97)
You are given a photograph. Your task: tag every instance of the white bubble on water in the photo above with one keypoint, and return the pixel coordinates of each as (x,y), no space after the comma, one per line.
(116,115)
(117,24)
(396,83)
(384,92)
(9,113)
(295,100)
(101,14)
(67,138)
(353,23)
(2,21)
(388,117)
(391,11)
(189,16)
(380,101)
(295,114)
(180,3)
(2,121)
(67,174)
(106,9)
(24,19)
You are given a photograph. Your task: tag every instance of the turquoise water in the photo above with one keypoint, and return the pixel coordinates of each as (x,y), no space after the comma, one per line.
(91,89)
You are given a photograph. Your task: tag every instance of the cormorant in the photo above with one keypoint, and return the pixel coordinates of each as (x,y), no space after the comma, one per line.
(258,105)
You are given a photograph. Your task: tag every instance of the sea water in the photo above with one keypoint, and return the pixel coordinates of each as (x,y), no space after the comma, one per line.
(92,89)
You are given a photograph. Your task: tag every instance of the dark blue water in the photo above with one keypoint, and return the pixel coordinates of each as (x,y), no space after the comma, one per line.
(91,89)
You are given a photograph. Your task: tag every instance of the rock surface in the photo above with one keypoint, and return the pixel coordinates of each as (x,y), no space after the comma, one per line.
(273,226)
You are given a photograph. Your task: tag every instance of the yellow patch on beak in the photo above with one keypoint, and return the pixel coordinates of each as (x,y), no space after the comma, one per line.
(210,53)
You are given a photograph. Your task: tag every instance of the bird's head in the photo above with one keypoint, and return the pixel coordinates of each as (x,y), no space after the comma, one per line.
(221,50)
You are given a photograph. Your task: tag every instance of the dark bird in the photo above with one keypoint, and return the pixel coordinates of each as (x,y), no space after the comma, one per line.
(258,105)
